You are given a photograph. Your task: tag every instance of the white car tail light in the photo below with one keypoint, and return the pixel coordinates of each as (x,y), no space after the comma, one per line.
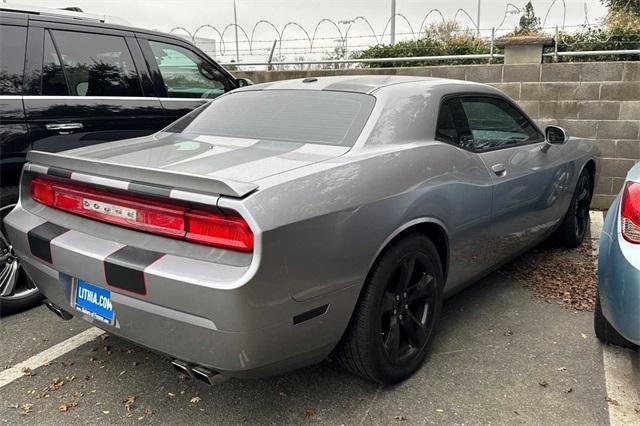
(630,212)
(212,229)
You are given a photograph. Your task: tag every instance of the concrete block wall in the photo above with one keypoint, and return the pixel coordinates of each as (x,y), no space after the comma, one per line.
(593,100)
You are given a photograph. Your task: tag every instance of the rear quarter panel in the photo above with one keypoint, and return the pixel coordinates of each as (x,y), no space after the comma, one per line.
(328,226)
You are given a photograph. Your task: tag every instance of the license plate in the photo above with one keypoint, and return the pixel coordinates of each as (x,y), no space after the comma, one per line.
(94,301)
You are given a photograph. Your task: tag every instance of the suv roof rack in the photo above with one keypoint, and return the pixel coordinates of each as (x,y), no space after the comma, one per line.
(67,12)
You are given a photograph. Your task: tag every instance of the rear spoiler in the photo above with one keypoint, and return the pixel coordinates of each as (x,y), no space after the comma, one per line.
(167,178)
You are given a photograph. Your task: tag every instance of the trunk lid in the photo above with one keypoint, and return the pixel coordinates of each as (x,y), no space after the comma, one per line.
(202,163)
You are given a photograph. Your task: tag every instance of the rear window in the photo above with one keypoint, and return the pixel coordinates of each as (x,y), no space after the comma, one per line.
(320,117)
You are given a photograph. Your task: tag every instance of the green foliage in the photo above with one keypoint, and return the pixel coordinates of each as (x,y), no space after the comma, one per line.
(613,38)
(529,22)
(438,40)
(623,6)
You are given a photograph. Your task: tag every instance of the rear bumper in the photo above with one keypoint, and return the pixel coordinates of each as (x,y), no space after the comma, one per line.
(619,279)
(237,320)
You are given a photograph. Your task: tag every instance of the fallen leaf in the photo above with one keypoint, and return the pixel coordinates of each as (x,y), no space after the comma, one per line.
(195,399)
(612,401)
(57,384)
(543,383)
(309,412)
(400,418)
(67,406)
(28,372)
(439,410)
(105,411)
(129,402)
(123,372)
(25,409)
(171,394)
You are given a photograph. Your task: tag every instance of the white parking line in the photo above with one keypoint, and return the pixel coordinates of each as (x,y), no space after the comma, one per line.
(622,393)
(9,375)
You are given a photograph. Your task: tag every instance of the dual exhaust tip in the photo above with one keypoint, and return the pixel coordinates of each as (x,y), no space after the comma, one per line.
(61,313)
(195,372)
(200,373)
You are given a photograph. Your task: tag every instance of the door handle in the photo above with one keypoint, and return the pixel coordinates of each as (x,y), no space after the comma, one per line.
(499,169)
(64,128)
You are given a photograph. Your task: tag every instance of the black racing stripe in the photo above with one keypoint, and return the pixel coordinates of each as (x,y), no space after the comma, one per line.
(125,268)
(305,316)
(58,172)
(156,190)
(224,160)
(40,239)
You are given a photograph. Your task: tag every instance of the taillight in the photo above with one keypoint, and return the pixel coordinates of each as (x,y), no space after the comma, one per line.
(630,212)
(200,227)
(222,231)
(42,192)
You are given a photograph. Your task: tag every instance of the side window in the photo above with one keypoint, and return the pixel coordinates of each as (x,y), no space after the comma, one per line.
(494,123)
(452,124)
(12,48)
(185,74)
(53,81)
(97,64)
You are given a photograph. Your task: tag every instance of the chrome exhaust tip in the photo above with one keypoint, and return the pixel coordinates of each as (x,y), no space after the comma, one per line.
(182,367)
(209,377)
(61,313)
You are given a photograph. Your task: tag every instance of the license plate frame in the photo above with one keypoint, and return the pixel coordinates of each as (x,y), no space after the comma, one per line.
(93,301)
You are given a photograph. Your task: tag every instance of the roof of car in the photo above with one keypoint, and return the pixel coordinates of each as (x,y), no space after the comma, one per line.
(352,83)
(77,18)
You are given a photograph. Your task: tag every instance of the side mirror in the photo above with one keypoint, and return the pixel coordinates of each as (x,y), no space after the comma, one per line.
(242,82)
(554,135)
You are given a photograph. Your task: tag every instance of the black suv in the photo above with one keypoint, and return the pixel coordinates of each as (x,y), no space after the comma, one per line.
(69,81)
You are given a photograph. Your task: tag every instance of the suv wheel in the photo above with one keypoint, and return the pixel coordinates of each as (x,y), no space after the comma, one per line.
(395,319)
(17,291)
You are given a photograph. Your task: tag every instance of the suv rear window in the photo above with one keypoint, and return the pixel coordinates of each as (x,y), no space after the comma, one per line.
(303,116)
(96,64)
(12,47)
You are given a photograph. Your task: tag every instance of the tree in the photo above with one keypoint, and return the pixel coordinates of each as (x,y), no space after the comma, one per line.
(623,6)
(529,22)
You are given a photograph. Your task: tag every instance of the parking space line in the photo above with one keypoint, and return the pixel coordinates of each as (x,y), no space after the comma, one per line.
(623,396)
(9,375)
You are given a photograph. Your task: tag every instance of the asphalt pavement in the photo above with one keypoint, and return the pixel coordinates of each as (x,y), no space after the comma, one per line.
(501,356)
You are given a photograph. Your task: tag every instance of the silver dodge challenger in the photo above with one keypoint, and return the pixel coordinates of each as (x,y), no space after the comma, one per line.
(287,222)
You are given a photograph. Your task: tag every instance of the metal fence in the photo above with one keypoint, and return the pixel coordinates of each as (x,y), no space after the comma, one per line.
(557,54)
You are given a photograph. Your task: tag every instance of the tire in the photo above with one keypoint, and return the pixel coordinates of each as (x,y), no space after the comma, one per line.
(575,224)
(24,294)
(396,316)
(605,331)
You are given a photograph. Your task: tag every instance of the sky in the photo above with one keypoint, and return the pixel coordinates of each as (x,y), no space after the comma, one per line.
(164,15)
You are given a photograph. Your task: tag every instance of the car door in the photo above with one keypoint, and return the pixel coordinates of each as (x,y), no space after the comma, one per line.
(85,87)
(528,181)
(14,136)
(185,78)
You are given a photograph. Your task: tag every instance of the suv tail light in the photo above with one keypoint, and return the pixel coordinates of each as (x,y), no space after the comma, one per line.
(630,212)
(212,229)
